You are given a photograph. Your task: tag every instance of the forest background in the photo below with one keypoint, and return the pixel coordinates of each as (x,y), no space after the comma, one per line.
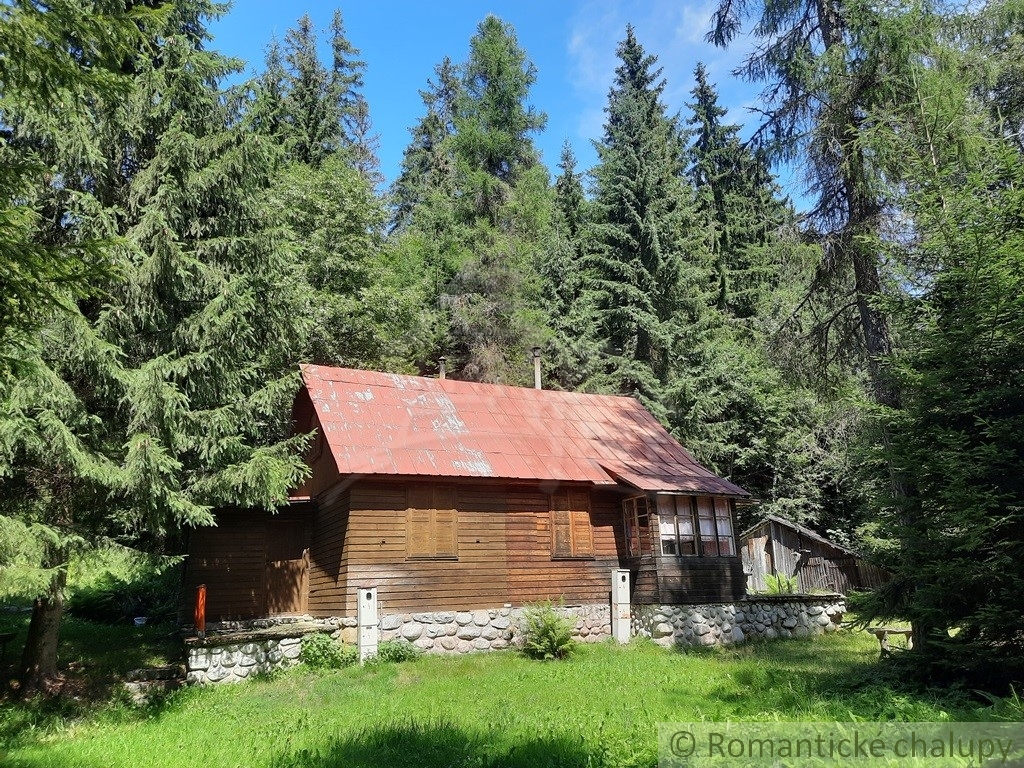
(175,239)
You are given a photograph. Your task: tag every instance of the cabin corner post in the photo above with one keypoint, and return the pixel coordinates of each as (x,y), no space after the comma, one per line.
(366,618)
(621,614)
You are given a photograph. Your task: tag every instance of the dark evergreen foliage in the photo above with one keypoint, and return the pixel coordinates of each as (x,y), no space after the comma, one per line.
(647,255)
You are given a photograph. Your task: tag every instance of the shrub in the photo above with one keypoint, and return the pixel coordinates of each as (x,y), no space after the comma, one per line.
(111,599)
(546,634)
(395,652)
(320,651)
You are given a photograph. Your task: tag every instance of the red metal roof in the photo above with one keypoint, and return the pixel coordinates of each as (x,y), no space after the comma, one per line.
(388,424)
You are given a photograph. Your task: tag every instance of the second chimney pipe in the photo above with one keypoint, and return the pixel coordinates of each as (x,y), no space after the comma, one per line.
(536,368)
(440,372)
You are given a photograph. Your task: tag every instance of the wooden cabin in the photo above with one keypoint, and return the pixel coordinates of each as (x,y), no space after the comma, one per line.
(778,546)
(452,495)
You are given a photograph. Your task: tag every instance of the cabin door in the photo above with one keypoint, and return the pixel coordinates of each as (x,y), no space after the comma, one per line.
(287,570)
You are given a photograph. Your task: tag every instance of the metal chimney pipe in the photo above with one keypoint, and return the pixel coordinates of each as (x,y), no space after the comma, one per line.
(440,372)
(536,368)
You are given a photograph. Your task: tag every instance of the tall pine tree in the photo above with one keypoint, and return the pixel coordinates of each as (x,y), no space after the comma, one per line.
(648,260)
(170,398)
(737,199)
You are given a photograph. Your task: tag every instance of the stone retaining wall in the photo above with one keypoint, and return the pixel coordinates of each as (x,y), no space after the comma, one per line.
(484,630)
(234,651)
(233,662)
(267,644)
(757,617)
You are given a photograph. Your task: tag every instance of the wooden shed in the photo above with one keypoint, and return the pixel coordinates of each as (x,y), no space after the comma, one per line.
(778,546)
(451,495)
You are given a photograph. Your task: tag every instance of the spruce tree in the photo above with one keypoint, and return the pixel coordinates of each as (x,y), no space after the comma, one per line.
(737,199)
(170,398)
(311,101)
(648,259)
(54,55)
(473,208)
(572,352)
(357,136)
(493,123)
(427,162)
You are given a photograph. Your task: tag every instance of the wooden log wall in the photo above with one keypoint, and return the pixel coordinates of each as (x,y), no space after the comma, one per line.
(504,552)
(328,554)
(233,559)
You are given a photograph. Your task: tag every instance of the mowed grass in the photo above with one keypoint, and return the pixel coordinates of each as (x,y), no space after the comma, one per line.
(599,708)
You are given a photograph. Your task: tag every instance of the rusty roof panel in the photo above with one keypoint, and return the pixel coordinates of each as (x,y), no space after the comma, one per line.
(389,424)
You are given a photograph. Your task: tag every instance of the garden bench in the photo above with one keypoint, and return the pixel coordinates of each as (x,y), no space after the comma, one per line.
(882,633)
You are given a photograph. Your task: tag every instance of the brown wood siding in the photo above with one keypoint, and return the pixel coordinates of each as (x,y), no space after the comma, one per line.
(377,554)
(700,579)
(504,551)
(645,582)
(533,574)
(324,473)
(232,560)
(328,556)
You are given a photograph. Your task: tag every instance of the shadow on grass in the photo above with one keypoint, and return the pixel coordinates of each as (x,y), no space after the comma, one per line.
(440,745)
(821,678)
(93,660)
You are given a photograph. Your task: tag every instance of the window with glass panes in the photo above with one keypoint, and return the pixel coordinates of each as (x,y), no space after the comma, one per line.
(695,525)
(634,513)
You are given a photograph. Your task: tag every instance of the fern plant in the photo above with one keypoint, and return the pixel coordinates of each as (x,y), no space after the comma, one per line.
(780,584)
(545,633)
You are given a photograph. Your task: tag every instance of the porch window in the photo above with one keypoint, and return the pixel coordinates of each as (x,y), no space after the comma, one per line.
(691,525)
(431,530)
(636,524)
(571,535)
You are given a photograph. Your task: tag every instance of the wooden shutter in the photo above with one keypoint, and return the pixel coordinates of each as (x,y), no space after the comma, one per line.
(571,533)
(431,522)
(582,533)
(446,539)
(582,536)
(561,533)
(418,530)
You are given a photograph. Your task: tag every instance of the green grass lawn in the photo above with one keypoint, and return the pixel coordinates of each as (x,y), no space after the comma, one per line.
(600,708)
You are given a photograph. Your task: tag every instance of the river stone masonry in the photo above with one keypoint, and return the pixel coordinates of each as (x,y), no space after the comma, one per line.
(235,654)
(484,630)
(758,617)
(237,650)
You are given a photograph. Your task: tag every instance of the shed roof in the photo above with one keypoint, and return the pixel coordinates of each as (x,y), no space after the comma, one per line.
(801,529)
(389,424)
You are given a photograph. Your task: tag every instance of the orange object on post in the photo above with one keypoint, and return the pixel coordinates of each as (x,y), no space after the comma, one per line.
(200,615)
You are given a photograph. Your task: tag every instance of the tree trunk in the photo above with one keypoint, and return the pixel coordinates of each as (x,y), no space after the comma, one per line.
(39,660)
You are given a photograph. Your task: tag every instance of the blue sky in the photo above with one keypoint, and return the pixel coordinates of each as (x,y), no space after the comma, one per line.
(571,42)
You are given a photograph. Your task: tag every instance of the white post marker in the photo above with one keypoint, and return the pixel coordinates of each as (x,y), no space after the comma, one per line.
(620,605)
(366,616)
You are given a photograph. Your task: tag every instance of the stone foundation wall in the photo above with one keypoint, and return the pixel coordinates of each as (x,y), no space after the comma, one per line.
(237,651)
(233,651)
(484,630)
(758,617)
(233,662)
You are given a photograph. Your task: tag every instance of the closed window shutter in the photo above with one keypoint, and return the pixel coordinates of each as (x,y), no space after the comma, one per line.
(446,537)
(418,542)
(571,534)
(432,522)
(561,533)
(582,536)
